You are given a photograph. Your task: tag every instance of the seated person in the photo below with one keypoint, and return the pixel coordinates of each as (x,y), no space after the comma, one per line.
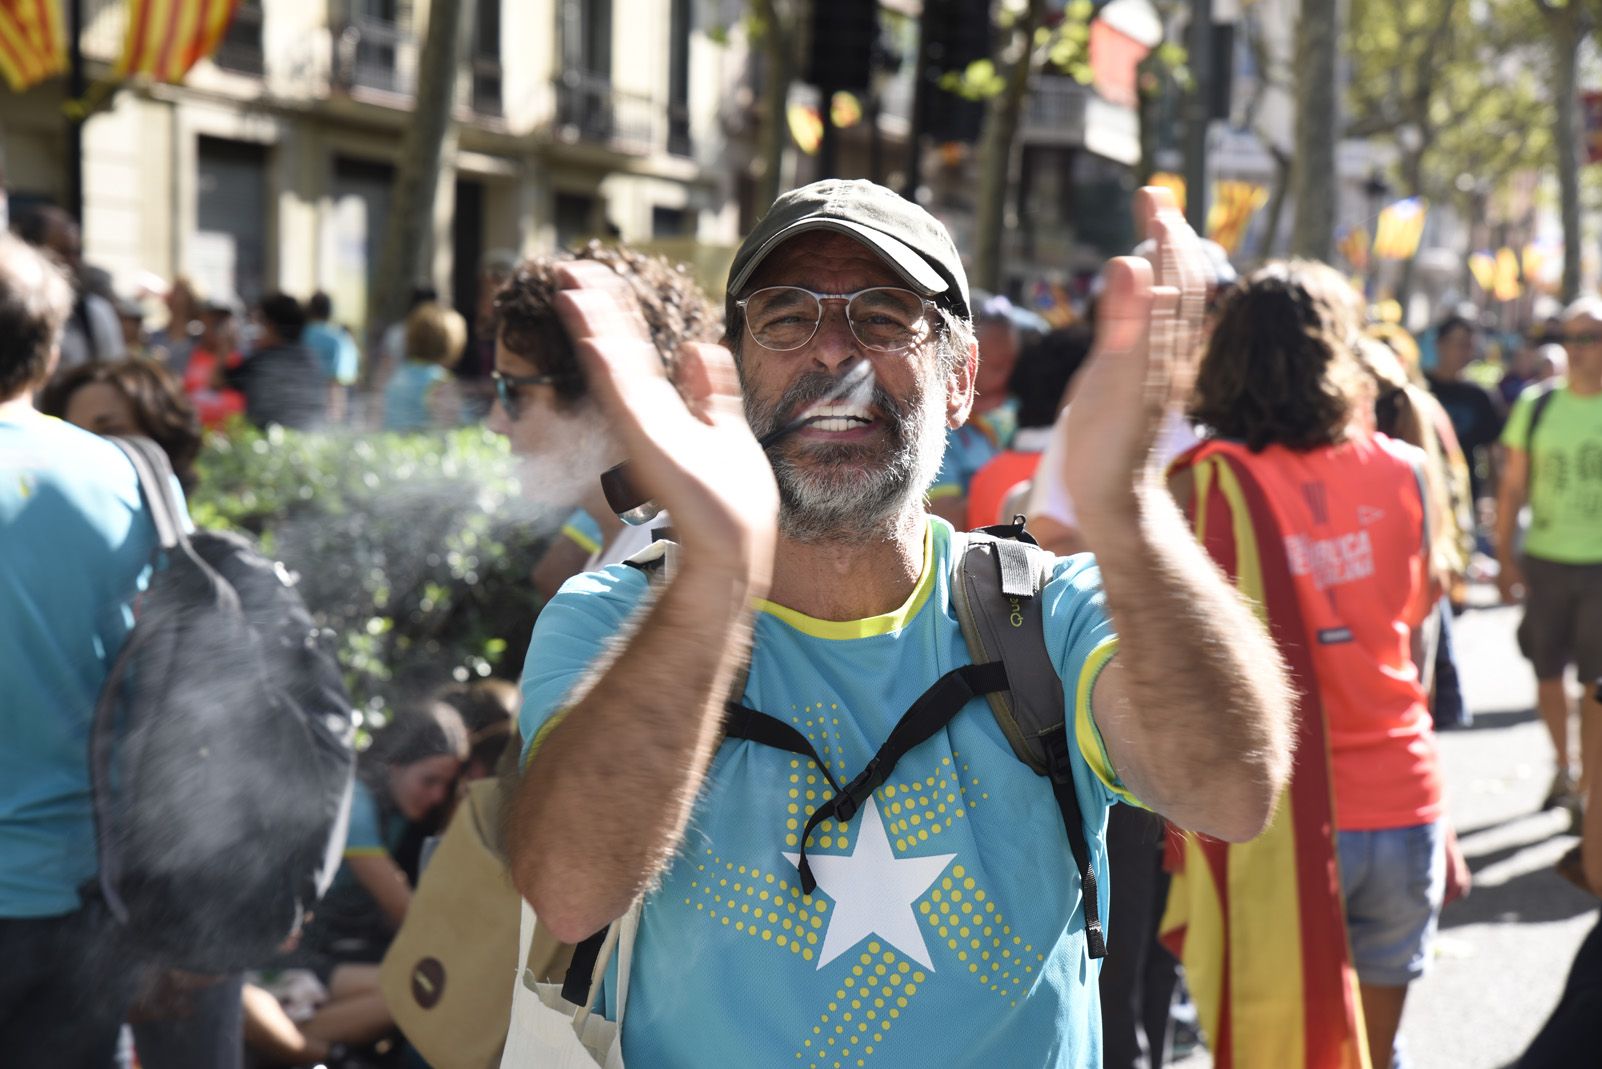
(402,780)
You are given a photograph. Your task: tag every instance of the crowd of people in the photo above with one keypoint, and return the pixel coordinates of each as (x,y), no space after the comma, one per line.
(772,759)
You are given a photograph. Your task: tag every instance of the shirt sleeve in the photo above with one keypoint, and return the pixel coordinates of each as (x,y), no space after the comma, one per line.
(582,530)
(345,363)
(365,835)
(950,482)
(1080,637)
(571,633)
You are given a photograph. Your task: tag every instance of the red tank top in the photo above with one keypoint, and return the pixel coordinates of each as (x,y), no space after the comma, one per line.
(1352,517)
(991,484)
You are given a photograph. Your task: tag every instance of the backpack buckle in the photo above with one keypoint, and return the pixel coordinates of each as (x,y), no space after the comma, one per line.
(853,794)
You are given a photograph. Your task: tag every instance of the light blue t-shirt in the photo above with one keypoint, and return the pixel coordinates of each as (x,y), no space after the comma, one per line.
(972,446)
(335,350)
(75,545)
(947,928)
(406,395)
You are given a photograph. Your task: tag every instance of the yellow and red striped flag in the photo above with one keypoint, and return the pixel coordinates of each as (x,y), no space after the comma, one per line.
(1234,204)
(33,42)
(1400,227)
(1260,926)
(166,38)
(1507,286)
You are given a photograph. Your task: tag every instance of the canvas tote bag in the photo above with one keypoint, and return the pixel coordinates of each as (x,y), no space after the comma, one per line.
(547,1031)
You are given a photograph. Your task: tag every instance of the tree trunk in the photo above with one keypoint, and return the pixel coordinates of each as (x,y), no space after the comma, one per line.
(1567,33)
(1002,119)
(1412,186)
(1276,204)
(428,137)
(1313,175)
(778,51)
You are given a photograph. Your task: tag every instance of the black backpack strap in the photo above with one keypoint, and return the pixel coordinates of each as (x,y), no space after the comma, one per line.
(1537,410)
(576,984)
(997,577)
(933,710)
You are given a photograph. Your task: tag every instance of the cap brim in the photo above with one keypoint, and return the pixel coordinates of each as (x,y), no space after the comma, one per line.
(896,254)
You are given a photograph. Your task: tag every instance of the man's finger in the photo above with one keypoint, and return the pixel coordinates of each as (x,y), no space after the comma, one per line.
(707,378)
(601,313)
(1124,310)
(1149,203)
(588,274)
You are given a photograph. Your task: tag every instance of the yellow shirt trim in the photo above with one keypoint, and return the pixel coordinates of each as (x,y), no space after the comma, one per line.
(545,729)
(366,851)
(584,541)
(885,624)
(1088,736)
(944,490)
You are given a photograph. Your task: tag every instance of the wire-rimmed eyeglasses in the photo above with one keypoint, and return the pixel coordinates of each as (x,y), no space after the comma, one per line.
(887,319)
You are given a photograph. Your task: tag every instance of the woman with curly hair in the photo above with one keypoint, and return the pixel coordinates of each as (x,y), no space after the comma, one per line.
(543,403)
(1322,519)
(130,397)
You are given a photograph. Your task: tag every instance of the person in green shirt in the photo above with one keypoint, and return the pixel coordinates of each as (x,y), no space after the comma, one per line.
(1557,469)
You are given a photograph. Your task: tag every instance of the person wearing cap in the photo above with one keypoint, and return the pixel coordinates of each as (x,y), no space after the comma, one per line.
(994,418)
(946,924)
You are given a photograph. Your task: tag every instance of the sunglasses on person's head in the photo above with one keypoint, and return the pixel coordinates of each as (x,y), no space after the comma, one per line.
(887,319)
(507,387)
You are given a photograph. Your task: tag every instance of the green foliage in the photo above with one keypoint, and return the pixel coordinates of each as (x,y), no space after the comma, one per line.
(414,550)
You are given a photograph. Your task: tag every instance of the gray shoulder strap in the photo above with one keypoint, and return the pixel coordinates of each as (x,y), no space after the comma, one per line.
(150,463)
(995,585)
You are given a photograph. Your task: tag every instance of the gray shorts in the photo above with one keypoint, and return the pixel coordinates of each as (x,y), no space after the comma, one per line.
(1562,618)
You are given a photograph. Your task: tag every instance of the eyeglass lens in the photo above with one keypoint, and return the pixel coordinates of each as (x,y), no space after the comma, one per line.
(885,318)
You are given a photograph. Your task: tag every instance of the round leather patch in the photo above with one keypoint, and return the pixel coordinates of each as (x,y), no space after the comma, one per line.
(428,982)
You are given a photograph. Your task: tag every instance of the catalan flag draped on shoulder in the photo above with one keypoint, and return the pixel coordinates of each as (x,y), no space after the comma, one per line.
(1260,926)
(166,38)
(33,42)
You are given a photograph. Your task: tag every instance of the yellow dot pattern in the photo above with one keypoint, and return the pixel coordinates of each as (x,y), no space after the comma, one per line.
(820,722)
(920,810)
(965,918)
(872,996)
(766,907)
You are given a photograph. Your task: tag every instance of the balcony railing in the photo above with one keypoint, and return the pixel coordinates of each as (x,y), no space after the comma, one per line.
(375,54)
(240,49)
(590,108)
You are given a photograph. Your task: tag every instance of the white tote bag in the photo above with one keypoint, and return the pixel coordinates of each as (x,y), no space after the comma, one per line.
(546,1031)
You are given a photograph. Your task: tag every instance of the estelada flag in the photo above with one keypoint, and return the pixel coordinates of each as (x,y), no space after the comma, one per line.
(1259,925)
(166,38)
(33,42)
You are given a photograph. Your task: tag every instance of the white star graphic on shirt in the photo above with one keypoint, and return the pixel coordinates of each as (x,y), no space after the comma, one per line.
(873,892)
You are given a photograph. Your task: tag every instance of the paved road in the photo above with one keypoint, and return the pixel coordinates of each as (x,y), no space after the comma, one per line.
(1503,952)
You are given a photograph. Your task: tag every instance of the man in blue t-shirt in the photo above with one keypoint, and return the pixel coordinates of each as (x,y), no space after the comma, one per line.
(75,542)
(946,926)
(335,351)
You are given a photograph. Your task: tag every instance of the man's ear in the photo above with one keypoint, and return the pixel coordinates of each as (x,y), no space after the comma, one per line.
(959,387)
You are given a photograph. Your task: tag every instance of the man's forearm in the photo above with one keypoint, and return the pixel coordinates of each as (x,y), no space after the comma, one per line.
(1200,727)
(604,802)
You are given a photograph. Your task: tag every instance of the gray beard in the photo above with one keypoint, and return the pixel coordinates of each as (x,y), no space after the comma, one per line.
(832,499)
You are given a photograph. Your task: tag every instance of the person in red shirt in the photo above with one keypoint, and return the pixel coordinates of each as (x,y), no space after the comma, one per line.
(1296,494)
(215,352)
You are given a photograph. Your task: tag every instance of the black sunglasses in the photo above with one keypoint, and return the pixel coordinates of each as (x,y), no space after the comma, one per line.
(506,387)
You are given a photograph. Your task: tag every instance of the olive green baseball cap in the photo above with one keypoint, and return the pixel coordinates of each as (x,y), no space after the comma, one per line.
(907,238)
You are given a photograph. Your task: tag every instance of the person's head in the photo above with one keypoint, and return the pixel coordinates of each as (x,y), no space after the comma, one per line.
(415,757)
(1456,346)
(35,300)
(282,319)
(435,334)
(132,318)
(874,382)
(1582,341)
(319,307)
(997,335)
(130,397)
(219,330)
(543,403)
(1551,361)
(488,709)
(52,229)
(183,306)
(1045,370)
(1278,368)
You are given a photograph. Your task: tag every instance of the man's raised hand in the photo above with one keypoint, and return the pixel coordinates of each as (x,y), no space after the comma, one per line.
(693,454)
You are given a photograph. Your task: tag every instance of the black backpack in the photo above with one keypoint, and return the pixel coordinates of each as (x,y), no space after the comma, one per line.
(221,750)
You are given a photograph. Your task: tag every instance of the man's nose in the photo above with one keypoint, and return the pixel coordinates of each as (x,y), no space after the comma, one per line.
(834,345)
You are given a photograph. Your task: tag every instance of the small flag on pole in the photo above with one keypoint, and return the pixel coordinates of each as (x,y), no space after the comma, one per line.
(166,38)
(1401,226)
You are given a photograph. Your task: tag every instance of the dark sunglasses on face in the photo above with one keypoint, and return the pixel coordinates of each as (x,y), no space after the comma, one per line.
(1592,337)
(507,387)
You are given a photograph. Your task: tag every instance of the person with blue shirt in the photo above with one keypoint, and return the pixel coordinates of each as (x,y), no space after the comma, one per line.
(946,926)
(75,546)
(335,351)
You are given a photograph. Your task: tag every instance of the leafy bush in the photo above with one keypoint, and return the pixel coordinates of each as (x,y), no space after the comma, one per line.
(413,550)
